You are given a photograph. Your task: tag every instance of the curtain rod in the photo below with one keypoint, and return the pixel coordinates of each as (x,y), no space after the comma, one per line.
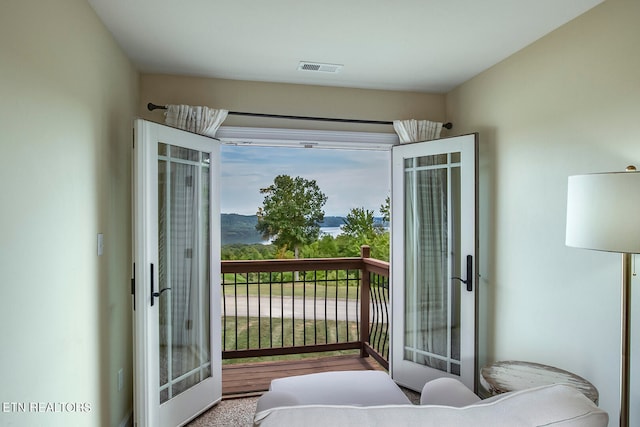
(152,107)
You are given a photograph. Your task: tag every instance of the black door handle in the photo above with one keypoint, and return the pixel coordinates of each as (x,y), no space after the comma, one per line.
(151,281)
(157,294)
(469,281)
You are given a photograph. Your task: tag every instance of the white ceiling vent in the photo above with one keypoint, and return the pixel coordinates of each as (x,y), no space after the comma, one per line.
(319,67)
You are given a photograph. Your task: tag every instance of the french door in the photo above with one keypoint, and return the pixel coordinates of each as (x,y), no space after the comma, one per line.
(177,270)
(434,261)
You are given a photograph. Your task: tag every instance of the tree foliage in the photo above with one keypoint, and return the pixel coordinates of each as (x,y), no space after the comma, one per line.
(255,251)
(297,201)
(291,212)
(348,246)
(385,209)
(360,224)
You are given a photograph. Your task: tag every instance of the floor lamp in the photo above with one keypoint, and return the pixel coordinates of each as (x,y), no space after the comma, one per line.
(603,213)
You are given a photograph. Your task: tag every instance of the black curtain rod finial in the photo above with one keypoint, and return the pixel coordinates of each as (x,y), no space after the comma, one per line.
(151,106)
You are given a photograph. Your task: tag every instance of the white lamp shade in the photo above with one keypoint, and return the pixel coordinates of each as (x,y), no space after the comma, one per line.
(603,212)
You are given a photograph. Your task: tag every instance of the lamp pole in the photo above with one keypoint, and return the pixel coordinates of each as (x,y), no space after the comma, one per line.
(625,339)
(626,336)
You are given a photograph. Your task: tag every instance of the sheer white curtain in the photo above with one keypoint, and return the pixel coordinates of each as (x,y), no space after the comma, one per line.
(417,130)
(202,120)
(183,213)
(426,236)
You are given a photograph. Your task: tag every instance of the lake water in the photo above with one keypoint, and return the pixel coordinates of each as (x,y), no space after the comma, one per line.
(331,231)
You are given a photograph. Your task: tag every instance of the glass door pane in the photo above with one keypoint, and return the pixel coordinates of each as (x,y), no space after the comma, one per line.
(184,267)
(431,249)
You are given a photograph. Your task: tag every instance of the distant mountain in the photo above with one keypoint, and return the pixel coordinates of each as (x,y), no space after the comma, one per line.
(332,221)
(239,229)
(337,221)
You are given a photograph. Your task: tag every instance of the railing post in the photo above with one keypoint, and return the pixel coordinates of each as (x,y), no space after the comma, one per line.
(365,252)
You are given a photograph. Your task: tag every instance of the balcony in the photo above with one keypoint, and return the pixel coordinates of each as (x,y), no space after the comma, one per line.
(301,316)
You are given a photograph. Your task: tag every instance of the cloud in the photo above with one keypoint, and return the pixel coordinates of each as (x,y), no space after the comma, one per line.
(349,178)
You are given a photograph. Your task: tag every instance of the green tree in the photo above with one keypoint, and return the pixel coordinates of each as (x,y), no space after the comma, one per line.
(385,210)
(380,247)
(360,224)
(325,247)
(291,212)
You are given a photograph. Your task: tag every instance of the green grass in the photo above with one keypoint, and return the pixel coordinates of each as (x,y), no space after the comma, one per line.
(254,333)
(289,289)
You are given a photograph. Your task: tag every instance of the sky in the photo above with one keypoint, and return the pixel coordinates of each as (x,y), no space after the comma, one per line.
(349,178)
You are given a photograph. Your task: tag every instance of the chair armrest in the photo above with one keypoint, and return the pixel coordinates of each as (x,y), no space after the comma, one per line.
(447,392)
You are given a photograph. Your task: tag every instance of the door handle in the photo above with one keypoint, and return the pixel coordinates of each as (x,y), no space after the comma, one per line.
(469,281)
(157,294)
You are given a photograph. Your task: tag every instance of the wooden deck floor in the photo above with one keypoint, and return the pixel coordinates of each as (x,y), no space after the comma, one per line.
(240,380)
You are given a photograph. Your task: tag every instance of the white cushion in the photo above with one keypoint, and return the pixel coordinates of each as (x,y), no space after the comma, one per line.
(273,399)
(447,392)
(365,388)
(555,405)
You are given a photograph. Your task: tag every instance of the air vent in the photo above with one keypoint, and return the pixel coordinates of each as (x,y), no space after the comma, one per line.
(319,67)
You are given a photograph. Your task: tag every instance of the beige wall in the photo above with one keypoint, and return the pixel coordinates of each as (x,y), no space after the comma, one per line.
(288,99)
(568,104)
(68,96)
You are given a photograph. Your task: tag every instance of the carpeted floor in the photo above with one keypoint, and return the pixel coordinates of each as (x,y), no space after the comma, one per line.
(228,413)
(239,412)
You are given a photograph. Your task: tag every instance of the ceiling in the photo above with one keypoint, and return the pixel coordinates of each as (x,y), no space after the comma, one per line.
(406,45)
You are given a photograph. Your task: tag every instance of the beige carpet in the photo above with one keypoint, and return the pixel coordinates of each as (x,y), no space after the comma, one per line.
(228,413)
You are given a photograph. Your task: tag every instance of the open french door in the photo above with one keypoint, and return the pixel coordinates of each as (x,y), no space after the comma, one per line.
(176,270)
(433,264)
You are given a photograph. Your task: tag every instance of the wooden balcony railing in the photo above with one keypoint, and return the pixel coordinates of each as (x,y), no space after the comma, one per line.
(294,306)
